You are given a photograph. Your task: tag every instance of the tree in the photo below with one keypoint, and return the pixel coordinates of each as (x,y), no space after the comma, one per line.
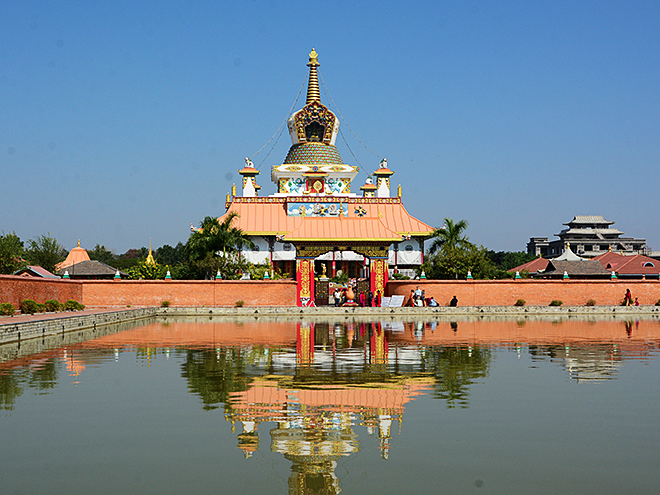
(168,255)
(455,263)
(216,245)
(146,271)
(11,253)
(102,254)
(449,236)
(452,255)
(45,252)
(506,260)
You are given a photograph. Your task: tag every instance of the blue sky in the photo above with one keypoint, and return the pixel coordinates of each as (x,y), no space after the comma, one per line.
(124,121)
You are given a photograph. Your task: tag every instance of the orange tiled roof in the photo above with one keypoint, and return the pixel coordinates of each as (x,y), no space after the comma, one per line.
(342,228)
(532,266)
(383,219)
(629,265)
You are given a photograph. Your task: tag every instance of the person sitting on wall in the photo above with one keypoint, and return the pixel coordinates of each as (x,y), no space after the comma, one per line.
(433,302)
(454,302)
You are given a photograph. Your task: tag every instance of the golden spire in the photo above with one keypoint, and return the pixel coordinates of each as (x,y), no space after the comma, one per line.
(150,258)
(313,92)
(78,242)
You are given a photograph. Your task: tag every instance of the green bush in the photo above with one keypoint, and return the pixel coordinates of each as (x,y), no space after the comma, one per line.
(28,306)
(7,309)
(41,308)
(400,276)
(520,302)
(556,302)
(240,303)
(164,304)
(52,305)
(591,302)
(72,305)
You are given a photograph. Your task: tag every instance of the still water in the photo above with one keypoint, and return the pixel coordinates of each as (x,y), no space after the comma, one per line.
(219,406)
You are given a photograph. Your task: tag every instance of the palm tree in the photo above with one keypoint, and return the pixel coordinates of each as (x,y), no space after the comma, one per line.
(215,237)
(449,236)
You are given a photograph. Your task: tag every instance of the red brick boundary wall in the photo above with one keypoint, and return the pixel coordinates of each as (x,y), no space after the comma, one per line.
(534,292)
(13,289)
(122,293)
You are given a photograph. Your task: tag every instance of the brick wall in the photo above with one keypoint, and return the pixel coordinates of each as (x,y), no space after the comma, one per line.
(122,293)
(13,289)
(534,292)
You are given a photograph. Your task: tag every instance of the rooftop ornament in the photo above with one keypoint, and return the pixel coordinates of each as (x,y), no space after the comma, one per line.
(66,274)
(117,275)
(518,275)
(613,277)
(469,275)
(565,275)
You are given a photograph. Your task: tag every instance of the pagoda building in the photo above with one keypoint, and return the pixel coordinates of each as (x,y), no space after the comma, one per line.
(590,235)
(314,223)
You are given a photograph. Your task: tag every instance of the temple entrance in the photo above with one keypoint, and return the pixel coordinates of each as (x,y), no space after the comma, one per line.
(313,291)
(322,292)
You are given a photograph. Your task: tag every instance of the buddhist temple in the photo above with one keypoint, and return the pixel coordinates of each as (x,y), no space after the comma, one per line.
(591,235)
(314,224)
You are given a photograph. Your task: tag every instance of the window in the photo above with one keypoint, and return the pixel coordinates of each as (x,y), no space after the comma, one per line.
(287,247)
(408,248)
(648,264)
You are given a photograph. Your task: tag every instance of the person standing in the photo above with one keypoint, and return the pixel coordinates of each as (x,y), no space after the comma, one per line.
(627,300)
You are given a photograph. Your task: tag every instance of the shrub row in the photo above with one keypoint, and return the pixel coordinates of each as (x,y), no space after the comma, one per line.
(30,307)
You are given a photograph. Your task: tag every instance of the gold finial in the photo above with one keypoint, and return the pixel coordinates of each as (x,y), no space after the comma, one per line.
(78,242)
(398,191)
(228,200)
(233,190)
(609,248)
(341,207)
(150,257)
(313,57)
(313,91)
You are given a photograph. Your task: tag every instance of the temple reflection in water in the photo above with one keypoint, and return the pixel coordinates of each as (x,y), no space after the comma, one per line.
(319,382)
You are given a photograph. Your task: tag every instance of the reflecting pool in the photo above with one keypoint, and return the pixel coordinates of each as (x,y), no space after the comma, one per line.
(209,405)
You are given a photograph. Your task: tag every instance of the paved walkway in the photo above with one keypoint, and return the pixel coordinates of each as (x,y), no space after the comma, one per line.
(4,320)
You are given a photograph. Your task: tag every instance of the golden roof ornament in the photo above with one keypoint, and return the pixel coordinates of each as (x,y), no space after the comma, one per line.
(150,258)
(78,242)
(313,91)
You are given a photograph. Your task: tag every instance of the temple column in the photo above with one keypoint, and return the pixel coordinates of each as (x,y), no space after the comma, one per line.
(379,276)
(305,278)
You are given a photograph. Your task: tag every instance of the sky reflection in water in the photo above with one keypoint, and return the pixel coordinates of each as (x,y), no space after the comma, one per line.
(320,407)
